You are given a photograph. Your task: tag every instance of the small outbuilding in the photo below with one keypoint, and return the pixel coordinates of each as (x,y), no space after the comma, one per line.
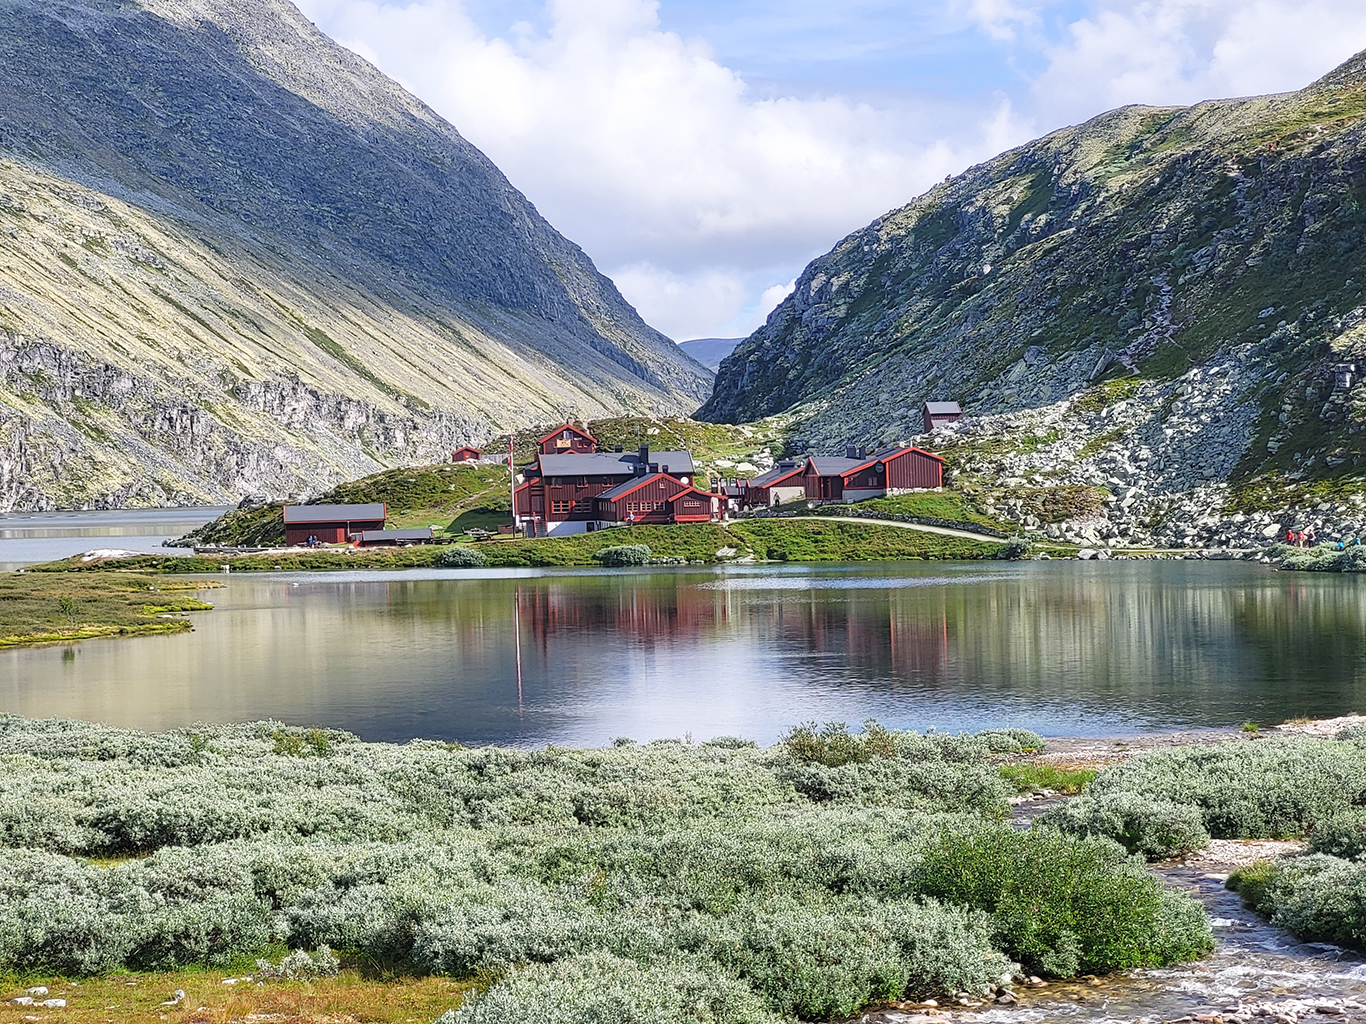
(784,482)
(937,414)
(466,454)
(331,524)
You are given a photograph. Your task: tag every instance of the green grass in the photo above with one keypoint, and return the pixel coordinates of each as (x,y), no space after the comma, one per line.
(1106,394)
(953,505)
(805,540)
(800,540)
(48,608)
(1034,777)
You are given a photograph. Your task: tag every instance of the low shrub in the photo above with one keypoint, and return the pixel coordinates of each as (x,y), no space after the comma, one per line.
(623,555)
(458,556)
(833,745)
(1064,906)
(1324,558)
(1341,835)
(1154,829)
(1013,741)
(301,965)
(603,989)
(1270,789)
(1015,549)
(1315,897)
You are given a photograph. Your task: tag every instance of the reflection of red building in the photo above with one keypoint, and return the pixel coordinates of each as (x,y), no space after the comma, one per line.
(563,489)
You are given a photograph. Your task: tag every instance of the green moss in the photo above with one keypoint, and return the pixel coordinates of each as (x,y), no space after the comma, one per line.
(1106,394)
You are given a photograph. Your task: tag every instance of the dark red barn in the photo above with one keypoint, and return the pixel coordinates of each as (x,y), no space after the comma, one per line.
(331,524)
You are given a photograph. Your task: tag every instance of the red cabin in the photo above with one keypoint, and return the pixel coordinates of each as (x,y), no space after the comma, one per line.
(466,454)
(856,477)
(655,498)
(332,524)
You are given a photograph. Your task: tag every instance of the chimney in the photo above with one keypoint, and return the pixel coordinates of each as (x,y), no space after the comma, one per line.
(619,448)
(664,468)
(654,467)
(644,454)
(851,451)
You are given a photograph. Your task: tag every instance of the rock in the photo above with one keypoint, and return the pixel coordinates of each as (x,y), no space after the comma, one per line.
(37,990)
(22,1001)
(55,1004)
(1086,554)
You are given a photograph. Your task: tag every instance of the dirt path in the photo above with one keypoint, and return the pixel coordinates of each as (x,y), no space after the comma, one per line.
(944,530)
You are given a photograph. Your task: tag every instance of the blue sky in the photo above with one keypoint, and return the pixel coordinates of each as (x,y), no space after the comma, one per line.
(703,152)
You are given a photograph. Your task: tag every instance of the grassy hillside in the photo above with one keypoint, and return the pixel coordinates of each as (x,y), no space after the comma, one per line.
(454,498)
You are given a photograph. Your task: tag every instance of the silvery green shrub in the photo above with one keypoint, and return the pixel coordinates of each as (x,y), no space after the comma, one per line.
(1342,834)
(1317,898)
(735,882)
(1265,789)
(1154,829)
(623,555)
(460,557)
(301,965)
(603,989)
(1012,741)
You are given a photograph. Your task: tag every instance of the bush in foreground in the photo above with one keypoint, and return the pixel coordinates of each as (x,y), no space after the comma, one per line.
(1268,789)
(657,881)
(1153,829)
(1315,897)
(1065,906)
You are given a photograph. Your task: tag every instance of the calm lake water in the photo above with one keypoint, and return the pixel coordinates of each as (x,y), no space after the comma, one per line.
(30,537)
(529,658)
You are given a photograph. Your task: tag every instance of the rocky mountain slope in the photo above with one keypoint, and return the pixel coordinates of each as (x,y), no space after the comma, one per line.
(1210,258)
(236,258)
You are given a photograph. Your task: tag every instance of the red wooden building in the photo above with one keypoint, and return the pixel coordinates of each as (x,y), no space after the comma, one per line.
(466,454)
(856,476)
(784,482)
(656,498)
(558,493)
(331,524)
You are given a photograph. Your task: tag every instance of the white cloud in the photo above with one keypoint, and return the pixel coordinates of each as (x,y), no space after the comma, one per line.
(1183,51)
(646,150)
(697,194)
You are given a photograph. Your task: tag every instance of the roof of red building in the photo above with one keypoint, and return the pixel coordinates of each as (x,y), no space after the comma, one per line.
(567,426)
(334,513)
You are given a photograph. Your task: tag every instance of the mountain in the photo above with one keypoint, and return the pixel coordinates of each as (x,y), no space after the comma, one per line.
(236,258)
(1211,258)
(710,351)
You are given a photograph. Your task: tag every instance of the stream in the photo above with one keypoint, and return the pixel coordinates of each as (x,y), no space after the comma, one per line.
(1257,973)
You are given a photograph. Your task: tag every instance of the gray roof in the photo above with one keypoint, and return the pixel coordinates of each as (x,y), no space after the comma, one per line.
(333,513)
(425,533)
(835,465)
(610,463)
(776,473)
(943,409)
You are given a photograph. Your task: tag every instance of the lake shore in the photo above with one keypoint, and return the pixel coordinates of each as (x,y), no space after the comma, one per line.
(55,609)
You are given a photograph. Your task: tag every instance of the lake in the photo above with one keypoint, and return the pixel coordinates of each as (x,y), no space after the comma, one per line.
(30,537)
(528,657)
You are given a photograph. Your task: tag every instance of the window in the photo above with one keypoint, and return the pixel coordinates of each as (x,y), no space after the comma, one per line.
(632,506)
(659,506)
(583,504)
(559,508)
(692,504)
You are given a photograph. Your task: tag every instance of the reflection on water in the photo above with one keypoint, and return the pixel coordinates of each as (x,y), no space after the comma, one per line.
(522,657)
(30,537)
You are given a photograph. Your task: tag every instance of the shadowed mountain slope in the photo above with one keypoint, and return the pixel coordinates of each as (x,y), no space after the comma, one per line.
(235,257)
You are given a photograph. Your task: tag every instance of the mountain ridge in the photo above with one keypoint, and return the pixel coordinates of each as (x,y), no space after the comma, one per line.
(249,222)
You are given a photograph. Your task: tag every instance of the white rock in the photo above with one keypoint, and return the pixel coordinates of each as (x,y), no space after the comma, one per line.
(37,990)
(54,1003)
(22,1001)
(1086,554)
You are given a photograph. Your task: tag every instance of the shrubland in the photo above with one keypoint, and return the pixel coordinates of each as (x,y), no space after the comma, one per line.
(705,881)
(1162,804)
